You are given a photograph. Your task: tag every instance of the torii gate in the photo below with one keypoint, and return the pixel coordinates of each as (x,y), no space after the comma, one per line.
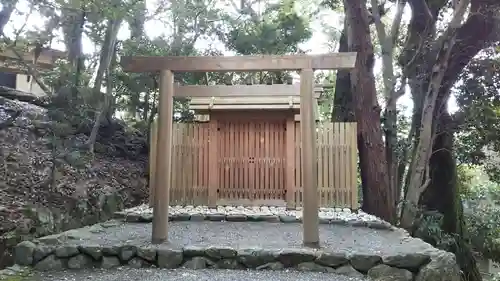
(306,64)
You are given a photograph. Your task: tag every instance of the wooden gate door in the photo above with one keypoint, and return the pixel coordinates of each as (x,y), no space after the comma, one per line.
(251,162)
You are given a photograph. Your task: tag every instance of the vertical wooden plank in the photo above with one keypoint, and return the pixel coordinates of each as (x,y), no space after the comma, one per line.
(273,173)
(185,172)
(258,161)
(234,153)
(281,150)
(177,174)
(222,157)
(298,166)
(282,156)
(336,164)
(342,166)
(309,155)
(347,165)
(213,161)
(174,160)
(153,137)
(234,188)
(227,168)
(353,154)
(324,164)
(329,165)
(241,141)
(201,141)
(223,148)
(249,167)
(178,162)
(276,160)
(238,161)
(321,166)
(319,163)
(244,160)
(230,170)
(290,162)
(207,163)
(251,154)
(175,135)
(185,163)
(164,162)
(267,184)
(191,150)
(195,151)
(196,156)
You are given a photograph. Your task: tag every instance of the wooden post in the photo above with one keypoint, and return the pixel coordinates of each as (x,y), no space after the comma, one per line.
(353,154)
(290,161)
(163,173)
(213,175)
(153,137)
(310,219)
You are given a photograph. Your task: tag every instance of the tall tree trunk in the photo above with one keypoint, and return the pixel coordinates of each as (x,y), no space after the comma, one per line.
(442,194)
(73,22)
(387,41)
(5,14)
(371,147)
(343,107)
(107,52)
(137,21)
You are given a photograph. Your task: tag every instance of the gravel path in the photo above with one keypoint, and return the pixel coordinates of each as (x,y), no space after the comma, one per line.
(250,235)
(128,274)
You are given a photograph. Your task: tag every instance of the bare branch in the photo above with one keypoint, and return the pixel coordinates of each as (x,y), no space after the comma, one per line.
(396,24)
(458,14)
(379,25)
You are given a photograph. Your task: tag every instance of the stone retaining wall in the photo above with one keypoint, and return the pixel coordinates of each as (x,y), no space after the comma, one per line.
(42,221)
(432,265)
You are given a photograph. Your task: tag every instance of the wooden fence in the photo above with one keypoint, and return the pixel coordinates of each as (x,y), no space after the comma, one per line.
(191,173)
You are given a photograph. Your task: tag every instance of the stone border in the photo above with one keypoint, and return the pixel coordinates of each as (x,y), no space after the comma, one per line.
(435,265)
(14,271)
(364,220)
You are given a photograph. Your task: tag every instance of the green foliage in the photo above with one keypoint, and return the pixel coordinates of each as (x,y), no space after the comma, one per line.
(429,228)
(479,111)
(482,210)
(325,103)
(484,226)
(279,31)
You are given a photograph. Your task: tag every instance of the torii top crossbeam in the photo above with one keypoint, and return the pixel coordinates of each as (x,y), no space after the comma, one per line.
(239,63)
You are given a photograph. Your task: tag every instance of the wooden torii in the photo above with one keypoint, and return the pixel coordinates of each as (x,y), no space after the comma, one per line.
(306,64)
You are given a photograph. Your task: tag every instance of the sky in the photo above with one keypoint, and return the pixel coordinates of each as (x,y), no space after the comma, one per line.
(318,44)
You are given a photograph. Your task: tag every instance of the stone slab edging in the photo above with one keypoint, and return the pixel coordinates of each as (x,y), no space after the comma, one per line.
(431,265)
(339,216)
(15,271)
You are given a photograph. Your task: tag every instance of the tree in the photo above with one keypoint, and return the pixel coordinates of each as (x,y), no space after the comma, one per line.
(430,62)
(374,176)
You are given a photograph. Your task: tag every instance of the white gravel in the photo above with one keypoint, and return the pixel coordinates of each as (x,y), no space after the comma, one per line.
(344,214)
